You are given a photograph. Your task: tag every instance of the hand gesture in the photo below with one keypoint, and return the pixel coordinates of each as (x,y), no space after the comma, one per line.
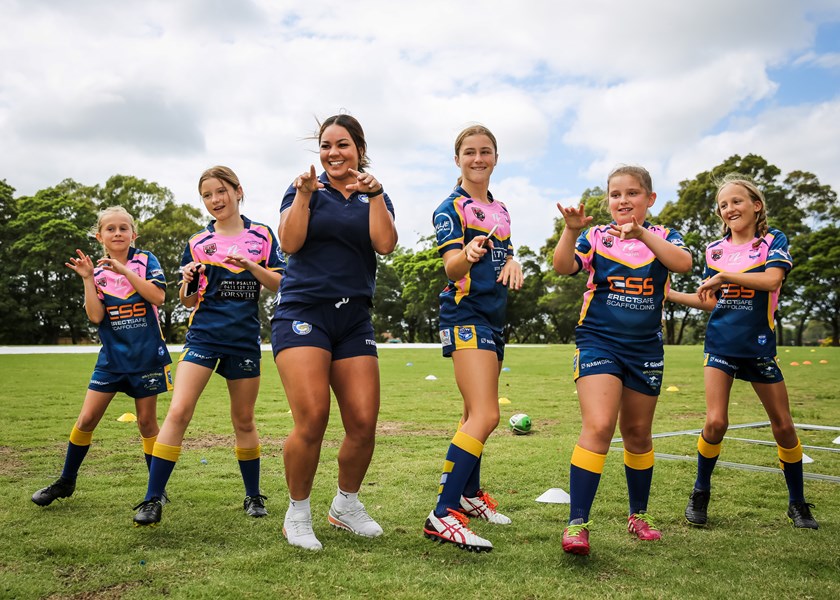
(112,264)
(238,260)
(628,231)
(191,271)
(575,217)
(308,182)
(709,288)
(477,248)
(365,182)
(83,266)
(511,275)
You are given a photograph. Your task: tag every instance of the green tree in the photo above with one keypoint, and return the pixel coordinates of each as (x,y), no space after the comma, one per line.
(143,199)
(423,278)
(389,304)
(561,301)
(165,235)
(47,229)
(524,323)
(816,279)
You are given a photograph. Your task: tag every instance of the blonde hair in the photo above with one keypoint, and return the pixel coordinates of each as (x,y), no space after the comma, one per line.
(640,173)
(107,212)
(755,194)
(476,129)
(224,174)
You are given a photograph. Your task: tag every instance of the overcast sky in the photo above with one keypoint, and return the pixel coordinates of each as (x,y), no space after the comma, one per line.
(164,89)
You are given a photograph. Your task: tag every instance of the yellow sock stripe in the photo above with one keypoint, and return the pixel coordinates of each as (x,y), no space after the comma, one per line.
(170,453)
(790,455)
(148,444)
(640,462)
(247,453)
(706,449)
(448,465)
(587,460)
(79,437)
(468,443)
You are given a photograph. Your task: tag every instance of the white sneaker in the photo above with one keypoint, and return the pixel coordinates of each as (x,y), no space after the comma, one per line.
(354,519)
(483,506)
(453,529)
(297,529)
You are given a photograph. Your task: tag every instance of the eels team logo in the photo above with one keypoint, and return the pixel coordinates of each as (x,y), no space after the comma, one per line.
(608,241)
(717,254)
(301,328)
(210,249)
(479,214)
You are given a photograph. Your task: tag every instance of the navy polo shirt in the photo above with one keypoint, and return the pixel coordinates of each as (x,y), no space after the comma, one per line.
(337,259)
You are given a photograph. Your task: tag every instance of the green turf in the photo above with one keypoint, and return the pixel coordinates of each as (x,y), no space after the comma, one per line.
(85,546)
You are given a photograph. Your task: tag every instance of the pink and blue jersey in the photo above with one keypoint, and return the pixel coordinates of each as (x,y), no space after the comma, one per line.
(477,299)
(742,323)
(623,302)
(132,341)
(226,316)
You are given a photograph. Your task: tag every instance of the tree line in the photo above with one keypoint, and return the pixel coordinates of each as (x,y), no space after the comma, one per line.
(42,300)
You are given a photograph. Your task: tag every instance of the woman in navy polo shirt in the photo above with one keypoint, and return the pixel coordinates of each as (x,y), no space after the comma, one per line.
(331,226)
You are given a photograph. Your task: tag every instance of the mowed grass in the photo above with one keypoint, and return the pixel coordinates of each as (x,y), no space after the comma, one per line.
(205,547)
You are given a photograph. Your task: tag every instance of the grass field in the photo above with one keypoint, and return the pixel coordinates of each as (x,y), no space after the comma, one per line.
(85,546)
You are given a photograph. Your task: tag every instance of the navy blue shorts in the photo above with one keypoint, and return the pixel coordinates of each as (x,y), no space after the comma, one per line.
(229,366)
(477,337)
(762,369)
(135,385)
(638,372)
(342,327)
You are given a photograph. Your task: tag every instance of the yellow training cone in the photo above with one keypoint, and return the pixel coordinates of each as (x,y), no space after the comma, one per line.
(126,418)
(504,401)
(672,388)
(823,362)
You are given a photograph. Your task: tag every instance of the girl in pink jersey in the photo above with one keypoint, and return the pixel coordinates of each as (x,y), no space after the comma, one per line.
(229,260)
(122,293)
(743,276)
(618,362)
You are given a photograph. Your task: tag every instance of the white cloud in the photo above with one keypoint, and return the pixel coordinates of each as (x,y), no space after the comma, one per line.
(162,90)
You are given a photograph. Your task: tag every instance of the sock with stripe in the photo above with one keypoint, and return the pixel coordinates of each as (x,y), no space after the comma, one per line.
(790,459)
(164,458)
(584,477)
(148,448)
(707,457)
(463,454)
(77,449)
(249,466)
(638,470)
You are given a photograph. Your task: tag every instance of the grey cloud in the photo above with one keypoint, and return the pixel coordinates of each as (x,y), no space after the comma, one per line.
(138,119)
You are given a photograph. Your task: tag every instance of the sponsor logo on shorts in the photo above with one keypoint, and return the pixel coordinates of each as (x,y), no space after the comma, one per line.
(488,342)
(762,340)
(595,363)
(301,328)
(247,364)
(445,337)
(100,382)
(654,364)
(465,334)
(370,342)
(194,354)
